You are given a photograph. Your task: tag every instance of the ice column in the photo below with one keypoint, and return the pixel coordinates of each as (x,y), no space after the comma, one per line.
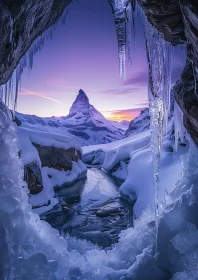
(159,64)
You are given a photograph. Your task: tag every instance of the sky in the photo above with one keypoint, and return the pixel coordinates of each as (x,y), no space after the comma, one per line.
(83,54)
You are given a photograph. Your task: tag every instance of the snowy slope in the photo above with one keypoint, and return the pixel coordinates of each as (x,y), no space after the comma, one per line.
(84,123)
(130,160)
(139,124)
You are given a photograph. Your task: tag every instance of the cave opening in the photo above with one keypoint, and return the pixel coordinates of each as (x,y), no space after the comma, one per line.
(33,249)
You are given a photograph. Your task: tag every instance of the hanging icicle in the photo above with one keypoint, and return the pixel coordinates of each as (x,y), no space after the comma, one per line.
(159,63)
(9,91)
(129,17)
(125,17)
(178,124)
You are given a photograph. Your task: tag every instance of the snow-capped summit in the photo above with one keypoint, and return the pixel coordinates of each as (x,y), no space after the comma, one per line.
(81,103)
(84,122)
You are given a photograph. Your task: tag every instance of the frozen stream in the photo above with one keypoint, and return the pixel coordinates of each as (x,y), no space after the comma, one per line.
(92,209)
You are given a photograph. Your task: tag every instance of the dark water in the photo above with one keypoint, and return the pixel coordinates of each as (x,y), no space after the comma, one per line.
(92,209)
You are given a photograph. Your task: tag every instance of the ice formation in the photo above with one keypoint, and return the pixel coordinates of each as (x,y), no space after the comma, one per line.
(124,13)
(9,91)
(178,124)
(159,60)
(159,55)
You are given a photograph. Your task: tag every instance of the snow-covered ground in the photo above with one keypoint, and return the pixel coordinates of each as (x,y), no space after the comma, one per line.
(130,160)
(33,250)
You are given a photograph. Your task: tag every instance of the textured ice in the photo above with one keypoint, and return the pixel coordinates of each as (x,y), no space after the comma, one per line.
(124,13)
(186,239)
(179,127)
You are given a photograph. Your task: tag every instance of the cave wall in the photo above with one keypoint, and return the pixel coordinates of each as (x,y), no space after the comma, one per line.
(21,22)
(178,21)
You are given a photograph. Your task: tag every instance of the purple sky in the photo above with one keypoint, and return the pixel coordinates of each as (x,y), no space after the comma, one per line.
(83,54)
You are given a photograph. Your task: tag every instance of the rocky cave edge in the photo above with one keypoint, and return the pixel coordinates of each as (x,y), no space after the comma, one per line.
(25,20)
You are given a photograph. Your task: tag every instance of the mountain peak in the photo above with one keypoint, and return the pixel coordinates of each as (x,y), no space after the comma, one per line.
(82,96)
(80,104)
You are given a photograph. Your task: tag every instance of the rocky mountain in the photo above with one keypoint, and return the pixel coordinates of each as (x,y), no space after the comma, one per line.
(139,124)
(84,122)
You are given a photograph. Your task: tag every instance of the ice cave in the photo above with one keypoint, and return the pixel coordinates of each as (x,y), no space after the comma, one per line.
(157,166)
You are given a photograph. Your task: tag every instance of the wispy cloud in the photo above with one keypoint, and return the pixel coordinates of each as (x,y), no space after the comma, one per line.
(138,80)
(30,92)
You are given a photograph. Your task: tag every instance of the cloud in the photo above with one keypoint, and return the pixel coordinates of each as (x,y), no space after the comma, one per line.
(30,92)
(122,90)
(139,79)
(120,115)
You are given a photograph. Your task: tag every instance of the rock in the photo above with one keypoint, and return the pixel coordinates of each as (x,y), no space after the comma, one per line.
(139,124)
(57,158)
(188,100)
(167,17)
(21,22)
(33,177)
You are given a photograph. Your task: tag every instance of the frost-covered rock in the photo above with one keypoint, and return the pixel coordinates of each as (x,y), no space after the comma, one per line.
(49,161)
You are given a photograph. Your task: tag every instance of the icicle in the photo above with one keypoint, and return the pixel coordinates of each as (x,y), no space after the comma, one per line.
(129,17)
(64,16)
(178,123)
(9,91)
(125,13)
(159,61)
(121,29)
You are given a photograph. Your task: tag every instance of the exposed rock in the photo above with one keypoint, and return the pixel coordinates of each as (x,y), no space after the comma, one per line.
(21,22)
(33,177)
(166,16)
(188,101)
(57,158)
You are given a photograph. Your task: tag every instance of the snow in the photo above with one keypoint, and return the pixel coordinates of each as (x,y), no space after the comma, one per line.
(134,155)
(31,247)
(63,178)
(47,139)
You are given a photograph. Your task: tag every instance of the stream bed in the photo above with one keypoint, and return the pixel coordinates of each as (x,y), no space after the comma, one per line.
(92,209)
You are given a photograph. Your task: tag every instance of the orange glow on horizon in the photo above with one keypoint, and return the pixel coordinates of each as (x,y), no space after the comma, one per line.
(125,115)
